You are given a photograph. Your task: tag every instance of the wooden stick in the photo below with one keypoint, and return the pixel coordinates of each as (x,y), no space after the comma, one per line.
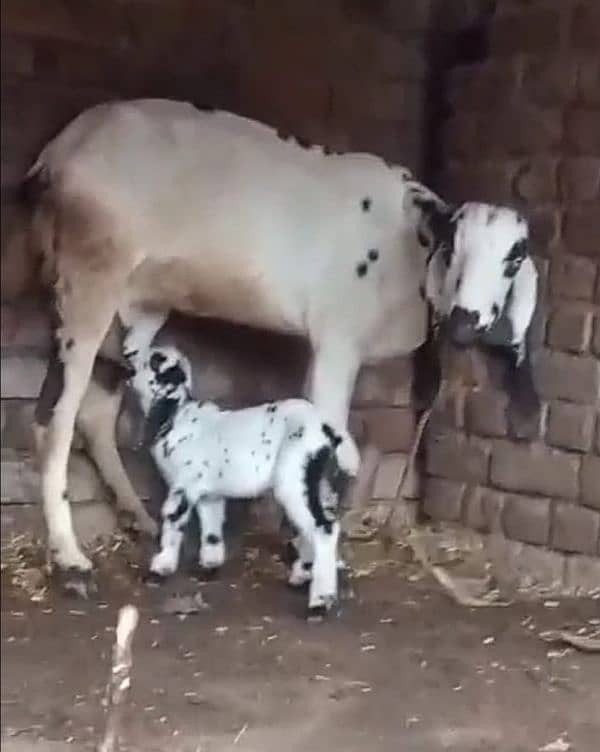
(120,680)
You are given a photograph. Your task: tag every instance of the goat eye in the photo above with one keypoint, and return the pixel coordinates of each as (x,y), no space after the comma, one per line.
(458,282)
(495,310)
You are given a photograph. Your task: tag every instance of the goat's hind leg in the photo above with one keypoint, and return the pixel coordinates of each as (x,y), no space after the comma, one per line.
(211,514)
(77,340)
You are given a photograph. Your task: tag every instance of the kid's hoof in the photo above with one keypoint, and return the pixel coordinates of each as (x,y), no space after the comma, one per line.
(153,579)
(316,614)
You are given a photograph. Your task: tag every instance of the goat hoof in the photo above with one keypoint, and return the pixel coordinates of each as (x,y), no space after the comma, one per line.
(153,579)
(316,614)
(77,583)
(208,573)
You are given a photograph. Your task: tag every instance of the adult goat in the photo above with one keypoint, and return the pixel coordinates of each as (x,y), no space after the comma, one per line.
(155,203)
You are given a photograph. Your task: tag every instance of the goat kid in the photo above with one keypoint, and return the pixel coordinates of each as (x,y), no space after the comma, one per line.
(206,454)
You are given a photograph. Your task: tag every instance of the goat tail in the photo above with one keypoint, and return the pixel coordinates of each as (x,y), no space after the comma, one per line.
(28,237)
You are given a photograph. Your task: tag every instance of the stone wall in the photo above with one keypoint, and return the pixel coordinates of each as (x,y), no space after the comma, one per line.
(349,74)
(524,128)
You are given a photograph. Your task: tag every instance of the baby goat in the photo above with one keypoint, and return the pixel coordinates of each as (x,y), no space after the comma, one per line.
(206,454)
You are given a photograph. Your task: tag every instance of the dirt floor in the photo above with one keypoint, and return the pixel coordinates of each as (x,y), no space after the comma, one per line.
(399,668)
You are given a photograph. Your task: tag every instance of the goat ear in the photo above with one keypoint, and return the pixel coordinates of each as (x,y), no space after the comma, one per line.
(437,217)
(520,310)
(152,425)
(156,361)
(158,415)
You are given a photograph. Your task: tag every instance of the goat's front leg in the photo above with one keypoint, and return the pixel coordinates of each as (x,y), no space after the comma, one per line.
(302,566)
(211,513)
(321,541)
(333,370)
(175,514)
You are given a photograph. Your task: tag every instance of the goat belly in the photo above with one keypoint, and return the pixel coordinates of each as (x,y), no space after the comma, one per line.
(208,286)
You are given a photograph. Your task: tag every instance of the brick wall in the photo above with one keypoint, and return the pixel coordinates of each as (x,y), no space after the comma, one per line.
(521,84)
(346,73)
(524,128)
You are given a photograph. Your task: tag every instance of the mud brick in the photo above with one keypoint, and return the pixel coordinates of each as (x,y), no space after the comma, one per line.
(490,181)
(456,457)
(534,469)
(406,17)
(550,80)
(590,481)
(537,180)
(518,564)
(25,324)
(589,80)
(485,413)
(18,418)
(535,29)
(386,384)
(579,177)
(22,376)
(17,55)
(583,130)
(38,18)
(525,427)
(461,135)
(388,476)
(568,377)
(586,26)
(95,22)
(519,129)
(544,226)
(527,519)
(390,428)
(569,330)
(582,574)
(443,499)
(398,58)
(487,84)
(448,412)
(573,277)
(413,17)
(570,426)
(387,100)
(482,509)
(575,529)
